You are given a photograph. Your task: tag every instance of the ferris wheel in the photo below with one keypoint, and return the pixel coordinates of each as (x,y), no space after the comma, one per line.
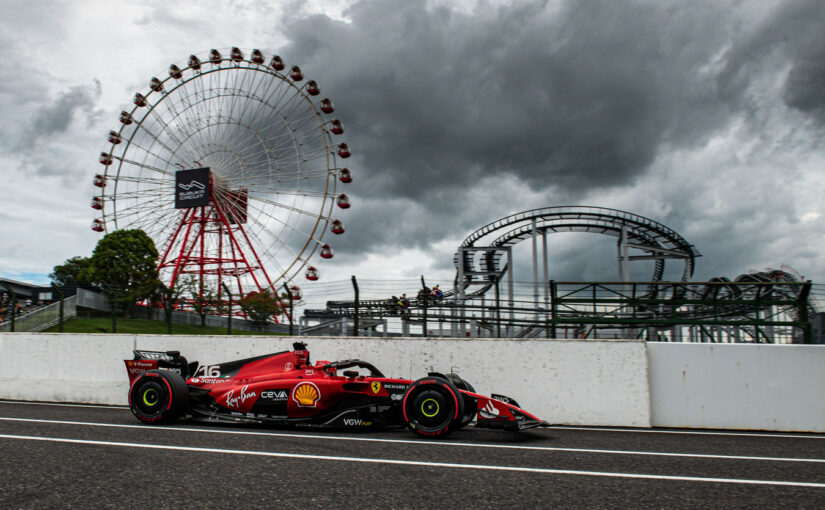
(230,163)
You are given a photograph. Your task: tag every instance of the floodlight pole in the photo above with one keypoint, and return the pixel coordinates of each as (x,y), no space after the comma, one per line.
(229,314)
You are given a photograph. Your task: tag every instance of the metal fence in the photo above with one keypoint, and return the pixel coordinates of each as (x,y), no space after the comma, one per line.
(43,318)
(718,311)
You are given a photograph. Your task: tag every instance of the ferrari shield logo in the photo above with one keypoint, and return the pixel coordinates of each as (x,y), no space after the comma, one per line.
(376,387)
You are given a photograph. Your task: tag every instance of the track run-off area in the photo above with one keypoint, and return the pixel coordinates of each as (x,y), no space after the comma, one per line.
(85,456)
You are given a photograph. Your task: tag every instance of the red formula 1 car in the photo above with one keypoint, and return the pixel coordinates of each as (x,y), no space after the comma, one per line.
(284,388)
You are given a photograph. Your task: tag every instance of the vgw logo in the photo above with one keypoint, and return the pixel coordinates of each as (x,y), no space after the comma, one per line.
(355,422)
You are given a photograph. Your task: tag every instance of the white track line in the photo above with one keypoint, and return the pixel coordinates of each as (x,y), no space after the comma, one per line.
(418,442)
(419,463)
(559,427)
(813,435)
(56,404)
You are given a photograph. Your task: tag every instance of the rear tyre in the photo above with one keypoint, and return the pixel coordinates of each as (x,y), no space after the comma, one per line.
(158,396)
(432,407)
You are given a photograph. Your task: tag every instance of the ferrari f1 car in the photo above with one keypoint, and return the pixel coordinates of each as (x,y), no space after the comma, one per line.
(285,388)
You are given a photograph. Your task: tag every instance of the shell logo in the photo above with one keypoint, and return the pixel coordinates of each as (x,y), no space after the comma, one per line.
(306,394)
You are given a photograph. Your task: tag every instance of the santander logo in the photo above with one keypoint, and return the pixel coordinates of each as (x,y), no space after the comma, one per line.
(489,411)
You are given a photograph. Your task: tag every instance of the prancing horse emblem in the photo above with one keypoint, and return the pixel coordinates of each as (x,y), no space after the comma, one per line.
(376,387)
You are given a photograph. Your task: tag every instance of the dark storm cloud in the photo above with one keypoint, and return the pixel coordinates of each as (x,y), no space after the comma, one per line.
(577,97)
(56,116)
(792,36)
(569,100)
(566,98)
(806,41)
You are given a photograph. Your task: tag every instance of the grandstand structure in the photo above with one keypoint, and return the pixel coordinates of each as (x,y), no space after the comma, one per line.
(772,306)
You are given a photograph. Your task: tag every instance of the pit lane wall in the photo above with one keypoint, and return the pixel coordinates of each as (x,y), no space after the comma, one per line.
(574,382)
(737,386)
(562,381)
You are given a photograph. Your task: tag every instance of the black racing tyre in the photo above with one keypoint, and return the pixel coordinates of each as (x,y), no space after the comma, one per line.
(470,404)
(432,407)
(158,396)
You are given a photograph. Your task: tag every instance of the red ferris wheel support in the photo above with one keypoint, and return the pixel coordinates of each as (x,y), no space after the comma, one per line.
(211,240)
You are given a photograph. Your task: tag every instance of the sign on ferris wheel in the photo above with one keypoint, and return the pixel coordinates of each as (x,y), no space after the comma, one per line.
(231,162)
(192,188)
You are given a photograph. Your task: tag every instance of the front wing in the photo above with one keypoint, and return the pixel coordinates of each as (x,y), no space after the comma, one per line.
(497,412)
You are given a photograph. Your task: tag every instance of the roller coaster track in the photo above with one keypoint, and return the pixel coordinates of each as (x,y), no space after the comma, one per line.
(742,303)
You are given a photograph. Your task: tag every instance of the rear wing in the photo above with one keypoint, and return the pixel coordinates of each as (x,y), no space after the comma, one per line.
(158,360)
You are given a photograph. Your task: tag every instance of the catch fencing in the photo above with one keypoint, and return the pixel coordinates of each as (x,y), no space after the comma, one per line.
(42,318)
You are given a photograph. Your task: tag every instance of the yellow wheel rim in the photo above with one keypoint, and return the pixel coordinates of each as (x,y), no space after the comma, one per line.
(150,397)
(429,408)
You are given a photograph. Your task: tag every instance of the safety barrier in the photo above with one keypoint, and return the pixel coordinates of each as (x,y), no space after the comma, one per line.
(737,386)
(574,382)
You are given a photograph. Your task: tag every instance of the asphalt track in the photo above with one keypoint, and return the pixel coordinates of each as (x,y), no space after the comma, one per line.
(68,456)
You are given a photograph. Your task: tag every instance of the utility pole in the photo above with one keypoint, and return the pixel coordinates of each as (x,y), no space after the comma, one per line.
(229,304)
(12,303)
(355,317)
(114,311)
(289,293)
(424,305)
(498,307)
(59,291)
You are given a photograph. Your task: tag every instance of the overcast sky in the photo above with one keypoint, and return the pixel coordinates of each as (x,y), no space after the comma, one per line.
(705,116)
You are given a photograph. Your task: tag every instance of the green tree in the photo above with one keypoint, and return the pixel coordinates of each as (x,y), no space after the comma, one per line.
(203,298)
(260,307)
(124,265)
(73,271)
(167,298)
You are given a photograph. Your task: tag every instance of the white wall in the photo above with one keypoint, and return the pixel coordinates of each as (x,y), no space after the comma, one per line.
(64,368)
(573,382)
(738,386)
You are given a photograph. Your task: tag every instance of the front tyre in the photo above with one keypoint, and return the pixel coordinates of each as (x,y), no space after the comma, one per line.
(158,396)
(432,407)
(470,403)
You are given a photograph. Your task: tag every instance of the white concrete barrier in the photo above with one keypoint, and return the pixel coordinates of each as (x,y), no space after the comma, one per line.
(64,368)
(591,382)
(738,386)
